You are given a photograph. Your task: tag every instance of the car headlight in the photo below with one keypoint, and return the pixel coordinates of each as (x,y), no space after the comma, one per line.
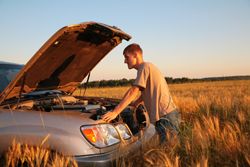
(102,135)
(123,130)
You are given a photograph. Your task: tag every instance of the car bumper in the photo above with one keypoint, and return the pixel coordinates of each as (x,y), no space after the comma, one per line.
(108,159)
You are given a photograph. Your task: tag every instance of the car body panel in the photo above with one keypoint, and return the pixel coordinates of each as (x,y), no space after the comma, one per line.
(33,127)
(62,127)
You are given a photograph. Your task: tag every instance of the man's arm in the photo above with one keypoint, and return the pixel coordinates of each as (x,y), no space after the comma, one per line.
(126,100)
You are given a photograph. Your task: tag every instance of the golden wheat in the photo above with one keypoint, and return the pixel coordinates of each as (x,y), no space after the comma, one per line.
(34,156)
(214,130)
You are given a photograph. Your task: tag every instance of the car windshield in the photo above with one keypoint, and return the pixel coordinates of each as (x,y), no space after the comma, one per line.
(7,74)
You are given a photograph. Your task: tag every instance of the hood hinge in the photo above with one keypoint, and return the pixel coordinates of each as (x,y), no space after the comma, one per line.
(20,93)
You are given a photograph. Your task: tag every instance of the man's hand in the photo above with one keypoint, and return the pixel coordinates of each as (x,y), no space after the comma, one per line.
(137,102)
(128,97)
(109,116)
(132,104)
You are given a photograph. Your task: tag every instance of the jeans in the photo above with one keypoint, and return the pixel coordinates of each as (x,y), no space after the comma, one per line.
(168,124)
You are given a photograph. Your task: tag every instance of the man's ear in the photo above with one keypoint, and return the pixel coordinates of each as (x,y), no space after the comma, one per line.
(135,54)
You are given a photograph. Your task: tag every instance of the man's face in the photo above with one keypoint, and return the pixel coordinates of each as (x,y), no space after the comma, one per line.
(130,59)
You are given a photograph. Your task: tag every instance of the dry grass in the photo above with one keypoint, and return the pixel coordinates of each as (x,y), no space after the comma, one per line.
(214,130)
(115,92)
(22,155)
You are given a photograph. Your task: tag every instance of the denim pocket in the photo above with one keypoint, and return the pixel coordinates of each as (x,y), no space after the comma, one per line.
(169,123)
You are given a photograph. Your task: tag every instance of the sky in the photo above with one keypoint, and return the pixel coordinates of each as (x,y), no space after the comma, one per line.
(183,38)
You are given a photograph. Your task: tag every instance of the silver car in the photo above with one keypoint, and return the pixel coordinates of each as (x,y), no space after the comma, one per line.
(36,99)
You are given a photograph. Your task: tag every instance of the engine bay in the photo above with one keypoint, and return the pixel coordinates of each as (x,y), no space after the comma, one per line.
(92,107)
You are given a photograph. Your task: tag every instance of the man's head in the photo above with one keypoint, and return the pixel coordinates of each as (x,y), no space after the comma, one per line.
(133,48)
(133,56)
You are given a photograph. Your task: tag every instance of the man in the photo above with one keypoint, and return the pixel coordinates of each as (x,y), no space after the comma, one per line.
(154,93)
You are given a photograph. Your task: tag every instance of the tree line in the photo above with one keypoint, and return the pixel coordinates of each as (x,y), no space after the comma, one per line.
(169,80)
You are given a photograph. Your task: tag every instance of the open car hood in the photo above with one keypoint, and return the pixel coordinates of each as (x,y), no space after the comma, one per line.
(65,59)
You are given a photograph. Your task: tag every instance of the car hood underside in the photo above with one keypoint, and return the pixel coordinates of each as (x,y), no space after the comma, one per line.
(66,59)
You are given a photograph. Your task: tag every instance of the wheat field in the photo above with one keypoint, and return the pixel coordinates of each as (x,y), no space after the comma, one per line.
(214,129)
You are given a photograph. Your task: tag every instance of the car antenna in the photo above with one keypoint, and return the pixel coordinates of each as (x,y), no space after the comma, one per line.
(86,84)
(20,93)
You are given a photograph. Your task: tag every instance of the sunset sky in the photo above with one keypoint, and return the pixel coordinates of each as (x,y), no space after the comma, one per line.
(183,38)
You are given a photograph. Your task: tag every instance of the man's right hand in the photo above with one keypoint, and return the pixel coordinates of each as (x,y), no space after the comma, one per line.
(126,100)
(109,116)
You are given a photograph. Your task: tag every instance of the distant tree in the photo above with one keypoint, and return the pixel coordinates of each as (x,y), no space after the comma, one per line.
(169,80)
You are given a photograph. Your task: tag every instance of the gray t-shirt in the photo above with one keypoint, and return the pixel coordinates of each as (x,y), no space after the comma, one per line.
(154,91)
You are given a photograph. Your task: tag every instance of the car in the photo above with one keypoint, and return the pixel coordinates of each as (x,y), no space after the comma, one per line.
(36,100)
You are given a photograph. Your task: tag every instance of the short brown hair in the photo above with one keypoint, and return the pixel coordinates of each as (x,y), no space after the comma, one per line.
(132,48)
